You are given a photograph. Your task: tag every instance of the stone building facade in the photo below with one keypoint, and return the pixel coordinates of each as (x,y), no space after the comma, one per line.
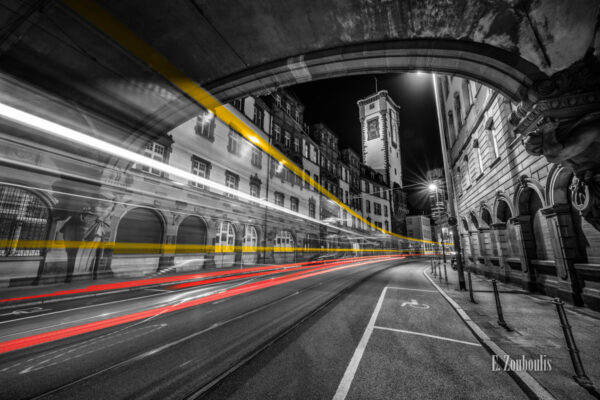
(160,222)
(519,214)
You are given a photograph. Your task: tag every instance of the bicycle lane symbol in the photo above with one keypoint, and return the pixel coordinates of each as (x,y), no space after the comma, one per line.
(415,304)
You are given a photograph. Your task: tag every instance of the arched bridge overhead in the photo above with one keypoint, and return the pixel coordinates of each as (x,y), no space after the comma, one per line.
(237,47)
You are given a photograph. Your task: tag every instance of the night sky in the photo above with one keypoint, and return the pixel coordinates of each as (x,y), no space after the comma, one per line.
(333,101)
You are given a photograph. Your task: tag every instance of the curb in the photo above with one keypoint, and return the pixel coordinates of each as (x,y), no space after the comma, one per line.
(525,380)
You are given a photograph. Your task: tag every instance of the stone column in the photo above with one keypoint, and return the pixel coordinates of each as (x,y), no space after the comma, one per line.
(566,252)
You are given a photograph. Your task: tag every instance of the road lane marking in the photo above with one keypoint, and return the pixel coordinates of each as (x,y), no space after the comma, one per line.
(344,386)
(415,290)
(427,335)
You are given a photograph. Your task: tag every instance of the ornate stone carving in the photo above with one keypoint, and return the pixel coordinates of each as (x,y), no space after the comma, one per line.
(560,121)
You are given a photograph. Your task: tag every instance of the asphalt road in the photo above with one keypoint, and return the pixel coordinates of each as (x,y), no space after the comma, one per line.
(291,334)
(178,341)
(418,348)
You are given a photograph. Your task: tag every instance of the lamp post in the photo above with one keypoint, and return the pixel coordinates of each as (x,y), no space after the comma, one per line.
(434,188)
(451,198)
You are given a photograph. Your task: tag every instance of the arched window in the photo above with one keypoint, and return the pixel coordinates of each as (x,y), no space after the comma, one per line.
(225,234)
(191,231)
(23,218)
(250,236)
(141,225)
(284,239)
(503,212)
(486,217)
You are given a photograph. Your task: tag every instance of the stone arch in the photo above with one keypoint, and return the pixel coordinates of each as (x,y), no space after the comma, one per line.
(534,226)
(141,225)
(557,186)
(503,209)
(522,194)
(474,220)
(465,224)
(25,216)
(485,216)
(192,231)
(505,72)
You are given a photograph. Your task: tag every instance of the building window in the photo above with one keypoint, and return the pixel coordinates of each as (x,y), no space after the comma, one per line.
(297,145)
(489,129)
(294,204)
(306,184)
(233,144)
(377,208)
(368,206)
(259,117)
(373,128)
(201,168)
(316,179)
(23,217)
(297,115)
(479,158)
(284,239)
(385,211)
(205,124)
(288,108)
(287,139)
(306,149)
(278,100)
(239,104)
(387,227)
(256,157)
(255,186)
(458,110)
(277,132)
(231,181)
(311,208)
(279,199)
(225,235)
(250,236)
(156,152)
(458,181)
(347,197)
(467,173)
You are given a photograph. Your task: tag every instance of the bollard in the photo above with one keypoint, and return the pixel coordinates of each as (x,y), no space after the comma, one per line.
(471,287)
(501,320)
(434,268)
(445,272)
(580,377)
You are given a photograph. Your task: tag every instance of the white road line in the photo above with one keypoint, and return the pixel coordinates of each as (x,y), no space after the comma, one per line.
(427,335)
(415,290)
(344,386)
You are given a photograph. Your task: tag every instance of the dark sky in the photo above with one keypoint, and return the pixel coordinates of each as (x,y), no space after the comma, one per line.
(333,101)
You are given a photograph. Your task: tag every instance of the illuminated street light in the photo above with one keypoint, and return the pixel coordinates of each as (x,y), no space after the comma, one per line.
(433,187)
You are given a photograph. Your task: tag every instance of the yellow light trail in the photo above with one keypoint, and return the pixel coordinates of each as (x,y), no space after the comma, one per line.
(113,28)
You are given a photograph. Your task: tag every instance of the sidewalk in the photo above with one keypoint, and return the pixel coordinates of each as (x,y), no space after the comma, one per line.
(536,330)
